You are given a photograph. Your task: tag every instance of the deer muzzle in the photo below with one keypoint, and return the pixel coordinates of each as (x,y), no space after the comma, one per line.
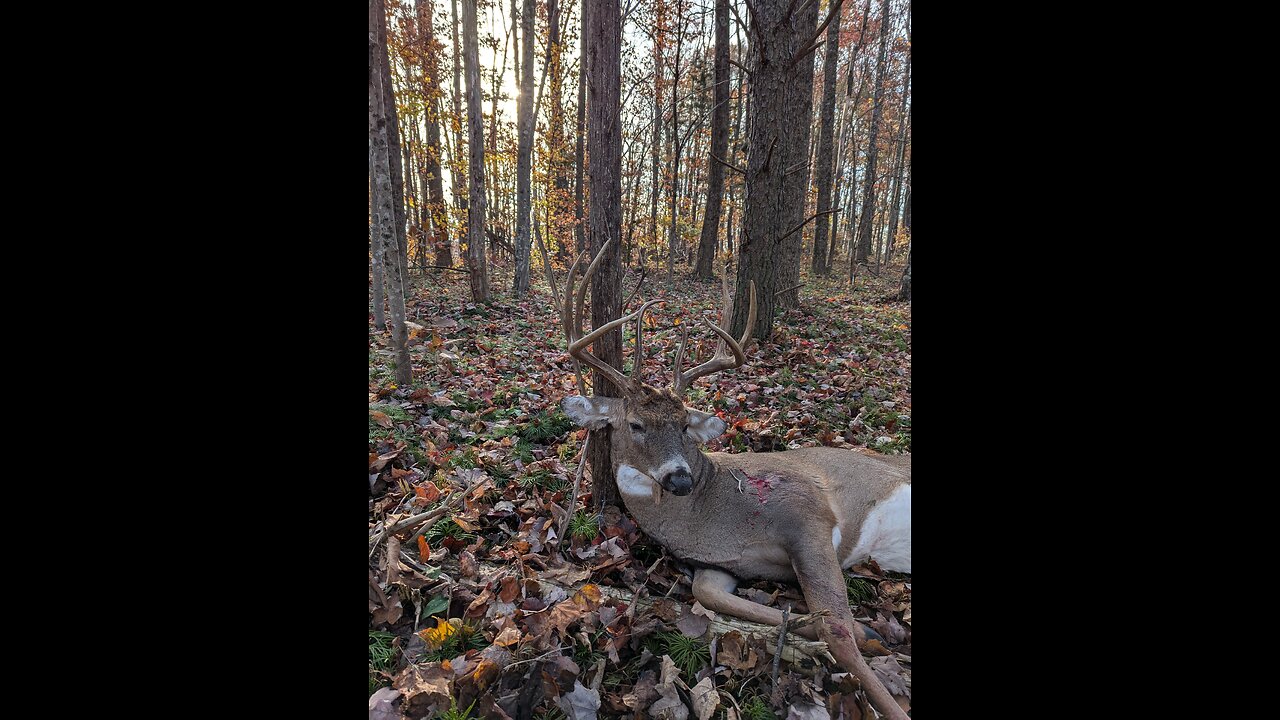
(678,482)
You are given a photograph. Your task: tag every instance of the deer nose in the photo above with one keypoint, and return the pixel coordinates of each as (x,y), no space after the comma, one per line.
(678,482)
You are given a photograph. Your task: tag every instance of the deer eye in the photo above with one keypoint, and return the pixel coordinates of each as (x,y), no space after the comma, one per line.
(686,427)
(637,427)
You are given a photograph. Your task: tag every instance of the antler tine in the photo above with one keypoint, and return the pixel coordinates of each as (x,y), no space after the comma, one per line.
(675,375)
(719,362)
(639,359)
(572,319)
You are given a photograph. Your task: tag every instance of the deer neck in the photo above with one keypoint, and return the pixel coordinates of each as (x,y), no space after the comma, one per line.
(672,520)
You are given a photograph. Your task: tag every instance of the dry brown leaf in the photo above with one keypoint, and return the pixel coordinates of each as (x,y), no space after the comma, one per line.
(381,418)
(736,653)
(705,699)
(426,689)
(509,589)
(581,704)
(509,636)
(382,704)
(424,550)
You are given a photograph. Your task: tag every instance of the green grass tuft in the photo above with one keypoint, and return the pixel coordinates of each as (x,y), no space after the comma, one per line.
(689,654)
(584,525)
(859,590)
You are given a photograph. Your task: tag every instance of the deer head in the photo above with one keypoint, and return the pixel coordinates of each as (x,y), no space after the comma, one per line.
(653,431)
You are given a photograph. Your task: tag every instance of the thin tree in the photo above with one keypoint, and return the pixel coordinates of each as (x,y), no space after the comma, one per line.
(378,286)
(393,144)
(826,142)
(579,230)
(719,145)
(604,149)
(458,177)
(524,161)
(475,123)
(903,121)
(869,189)
(383,195)
(676,144)
(430,54)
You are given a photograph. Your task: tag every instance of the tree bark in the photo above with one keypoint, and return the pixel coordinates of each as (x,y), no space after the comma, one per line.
(458,177)
(579,230)
(604,138)
(777,95)
(719,145)
(869,190)
(826,144)
(393,145)
(903,119)
(796,175)
(375,240)
(476,212)
(676,145)
(431,49)
(904,290)
(524,160)
(383,194)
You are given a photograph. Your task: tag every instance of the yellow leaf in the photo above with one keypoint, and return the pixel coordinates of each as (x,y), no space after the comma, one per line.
(440,634)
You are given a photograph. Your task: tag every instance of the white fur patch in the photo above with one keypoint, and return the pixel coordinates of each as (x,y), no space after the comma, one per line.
(835,537)
(886,534)
(633,483)
(671,466)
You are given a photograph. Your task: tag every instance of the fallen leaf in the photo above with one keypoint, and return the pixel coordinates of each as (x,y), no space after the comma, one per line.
(509,636)
(424,550)
(705,699)
(440,634)
(427,493)
(581,704)
(807,711)
(382,704)
(381,418)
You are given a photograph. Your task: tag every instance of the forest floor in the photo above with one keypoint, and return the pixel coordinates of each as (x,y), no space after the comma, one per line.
(511,606)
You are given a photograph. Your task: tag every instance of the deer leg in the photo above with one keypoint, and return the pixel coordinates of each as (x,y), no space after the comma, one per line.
(823,584)
(714,589)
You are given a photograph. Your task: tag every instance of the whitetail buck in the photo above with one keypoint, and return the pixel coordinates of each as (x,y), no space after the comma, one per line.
(796,515)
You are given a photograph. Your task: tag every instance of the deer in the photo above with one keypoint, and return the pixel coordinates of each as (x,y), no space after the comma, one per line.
(801,515)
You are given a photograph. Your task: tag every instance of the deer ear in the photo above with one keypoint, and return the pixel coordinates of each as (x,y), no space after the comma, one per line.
(704,426)
(591,412)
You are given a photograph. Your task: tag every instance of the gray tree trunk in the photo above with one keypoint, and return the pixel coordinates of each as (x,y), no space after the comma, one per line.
(777,95)
(904,119)
(869,190)
(826,144)
(796,182)
(604,138)
(393,145)
(582,102)
(904,290)
(475,123)
(676,145)
(524,159)
(375,240)
(430,54)
(383,195)
(719,145)
(459,175)
(906,205)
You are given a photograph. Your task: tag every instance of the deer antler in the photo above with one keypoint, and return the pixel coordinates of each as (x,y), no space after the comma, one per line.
(571,318)
(720,361)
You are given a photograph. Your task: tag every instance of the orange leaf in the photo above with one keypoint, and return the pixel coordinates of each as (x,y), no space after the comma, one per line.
(380,418)
(427,494)
(424,550)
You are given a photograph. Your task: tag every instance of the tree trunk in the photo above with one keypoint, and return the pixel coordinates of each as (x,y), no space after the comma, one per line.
(826,144)
(904,290)
(431,49)
(777,95)
(604,63)
(375,239)
(555,135)
(903,118)
(869,190)
(393,145)
(719,145)
(655,185)
(524,160)
(579,230)
(458,177)
(476,212)
(906,204)
(796,174)
(673,233)
(383,194)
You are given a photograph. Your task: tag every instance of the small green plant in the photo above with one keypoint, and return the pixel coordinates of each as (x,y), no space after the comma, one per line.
(382,653)
(453,713)
(546,426)
(446,528)
(689,654)
(859,590)
(757,708)
(584,525)
(541,478)
(468,637)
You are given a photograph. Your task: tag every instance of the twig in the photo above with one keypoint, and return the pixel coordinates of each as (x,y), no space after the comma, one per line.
(782,635)
(729,165)
(643,269)
(787,290)
(806,222)
(577,483)
(449,503)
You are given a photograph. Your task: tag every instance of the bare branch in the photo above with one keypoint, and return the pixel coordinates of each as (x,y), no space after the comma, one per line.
(729,165)
(806,222)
